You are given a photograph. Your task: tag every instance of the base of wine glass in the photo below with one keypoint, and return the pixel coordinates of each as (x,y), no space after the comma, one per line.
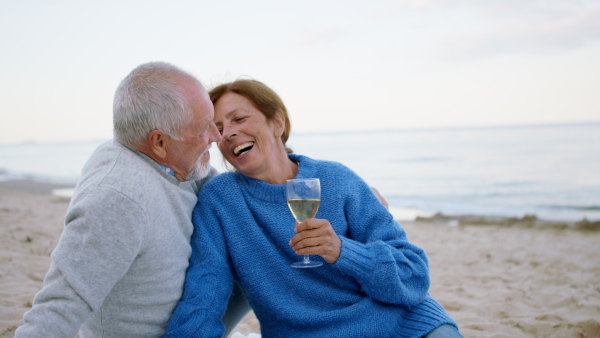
(305,264)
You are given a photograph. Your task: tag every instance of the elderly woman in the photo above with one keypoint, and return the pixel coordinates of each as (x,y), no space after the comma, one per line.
(373,283)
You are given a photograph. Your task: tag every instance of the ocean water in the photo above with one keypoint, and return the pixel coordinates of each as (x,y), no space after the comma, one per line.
(551,171)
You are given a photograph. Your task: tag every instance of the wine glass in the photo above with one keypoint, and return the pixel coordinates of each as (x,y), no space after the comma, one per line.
(303,198)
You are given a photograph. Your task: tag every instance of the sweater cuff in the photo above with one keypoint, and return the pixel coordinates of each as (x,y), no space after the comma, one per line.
(355,258)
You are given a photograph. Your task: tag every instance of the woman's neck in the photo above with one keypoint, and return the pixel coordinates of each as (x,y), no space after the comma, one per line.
(279,170)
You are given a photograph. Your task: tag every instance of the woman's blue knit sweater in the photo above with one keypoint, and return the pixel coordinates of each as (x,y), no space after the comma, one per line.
(377,288)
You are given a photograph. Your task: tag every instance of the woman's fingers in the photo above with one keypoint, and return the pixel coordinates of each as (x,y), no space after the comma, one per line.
(317,237)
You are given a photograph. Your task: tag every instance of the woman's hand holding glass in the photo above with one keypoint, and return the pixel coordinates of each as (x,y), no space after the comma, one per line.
(316,237)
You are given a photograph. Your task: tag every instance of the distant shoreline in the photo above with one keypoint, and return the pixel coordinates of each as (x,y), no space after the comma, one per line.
(509,172)
(527,221)
(38,187)
(402,215)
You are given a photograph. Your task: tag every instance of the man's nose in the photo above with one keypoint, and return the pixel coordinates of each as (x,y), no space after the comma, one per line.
(215,136)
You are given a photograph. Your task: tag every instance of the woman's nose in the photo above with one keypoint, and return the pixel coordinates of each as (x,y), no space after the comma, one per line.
(229,134)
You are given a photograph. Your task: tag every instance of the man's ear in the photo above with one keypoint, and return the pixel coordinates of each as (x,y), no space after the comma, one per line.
(157,143)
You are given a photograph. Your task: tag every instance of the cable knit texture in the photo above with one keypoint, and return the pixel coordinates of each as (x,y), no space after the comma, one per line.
(377,288)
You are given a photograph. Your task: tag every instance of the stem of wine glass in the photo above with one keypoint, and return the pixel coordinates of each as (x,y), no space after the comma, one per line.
(306,259)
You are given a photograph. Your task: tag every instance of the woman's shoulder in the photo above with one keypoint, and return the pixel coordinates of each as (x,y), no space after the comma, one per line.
(228,175)
(318,163)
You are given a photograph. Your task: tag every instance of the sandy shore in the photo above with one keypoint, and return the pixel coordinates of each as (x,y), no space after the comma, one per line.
(496,281)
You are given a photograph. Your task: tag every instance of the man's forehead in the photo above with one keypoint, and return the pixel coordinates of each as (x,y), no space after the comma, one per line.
(205,114)
(192,87)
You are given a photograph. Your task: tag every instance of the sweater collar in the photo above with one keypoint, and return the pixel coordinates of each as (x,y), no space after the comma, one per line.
(164,171)
(276,193)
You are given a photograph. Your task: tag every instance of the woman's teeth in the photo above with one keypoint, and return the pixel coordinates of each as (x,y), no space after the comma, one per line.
(243,148)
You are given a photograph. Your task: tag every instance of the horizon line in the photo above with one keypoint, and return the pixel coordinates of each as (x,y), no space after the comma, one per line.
(418,129)
(355,131)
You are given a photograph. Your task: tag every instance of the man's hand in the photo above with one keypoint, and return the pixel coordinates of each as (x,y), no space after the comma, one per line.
(316,237)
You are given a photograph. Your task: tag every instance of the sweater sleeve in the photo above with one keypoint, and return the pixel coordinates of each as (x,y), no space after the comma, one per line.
(58,310)
(209,280)
(376,250)
(100,241)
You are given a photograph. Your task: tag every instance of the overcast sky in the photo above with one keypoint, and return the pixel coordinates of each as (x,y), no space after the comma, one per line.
(338,65)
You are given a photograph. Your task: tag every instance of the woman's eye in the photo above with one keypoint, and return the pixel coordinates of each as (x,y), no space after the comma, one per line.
(238,119)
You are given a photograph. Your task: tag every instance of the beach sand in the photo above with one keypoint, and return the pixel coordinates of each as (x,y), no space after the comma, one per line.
(495,281)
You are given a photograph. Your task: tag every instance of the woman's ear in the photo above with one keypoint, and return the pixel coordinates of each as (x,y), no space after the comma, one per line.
(279,125)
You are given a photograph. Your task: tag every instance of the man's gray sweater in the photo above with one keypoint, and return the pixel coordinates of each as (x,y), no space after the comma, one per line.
(120,265)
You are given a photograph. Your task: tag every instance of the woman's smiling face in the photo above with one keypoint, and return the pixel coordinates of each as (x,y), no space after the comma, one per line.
(250,142)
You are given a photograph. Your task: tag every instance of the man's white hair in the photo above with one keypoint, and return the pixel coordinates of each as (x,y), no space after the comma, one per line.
(151,97)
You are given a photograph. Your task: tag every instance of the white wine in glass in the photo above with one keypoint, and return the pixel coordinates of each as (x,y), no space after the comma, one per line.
(303,199)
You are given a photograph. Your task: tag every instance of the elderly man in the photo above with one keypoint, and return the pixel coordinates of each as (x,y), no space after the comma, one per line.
(120,265)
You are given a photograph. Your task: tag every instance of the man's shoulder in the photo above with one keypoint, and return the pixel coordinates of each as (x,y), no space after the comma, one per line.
(115,167)
(106,156)
(198,183)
